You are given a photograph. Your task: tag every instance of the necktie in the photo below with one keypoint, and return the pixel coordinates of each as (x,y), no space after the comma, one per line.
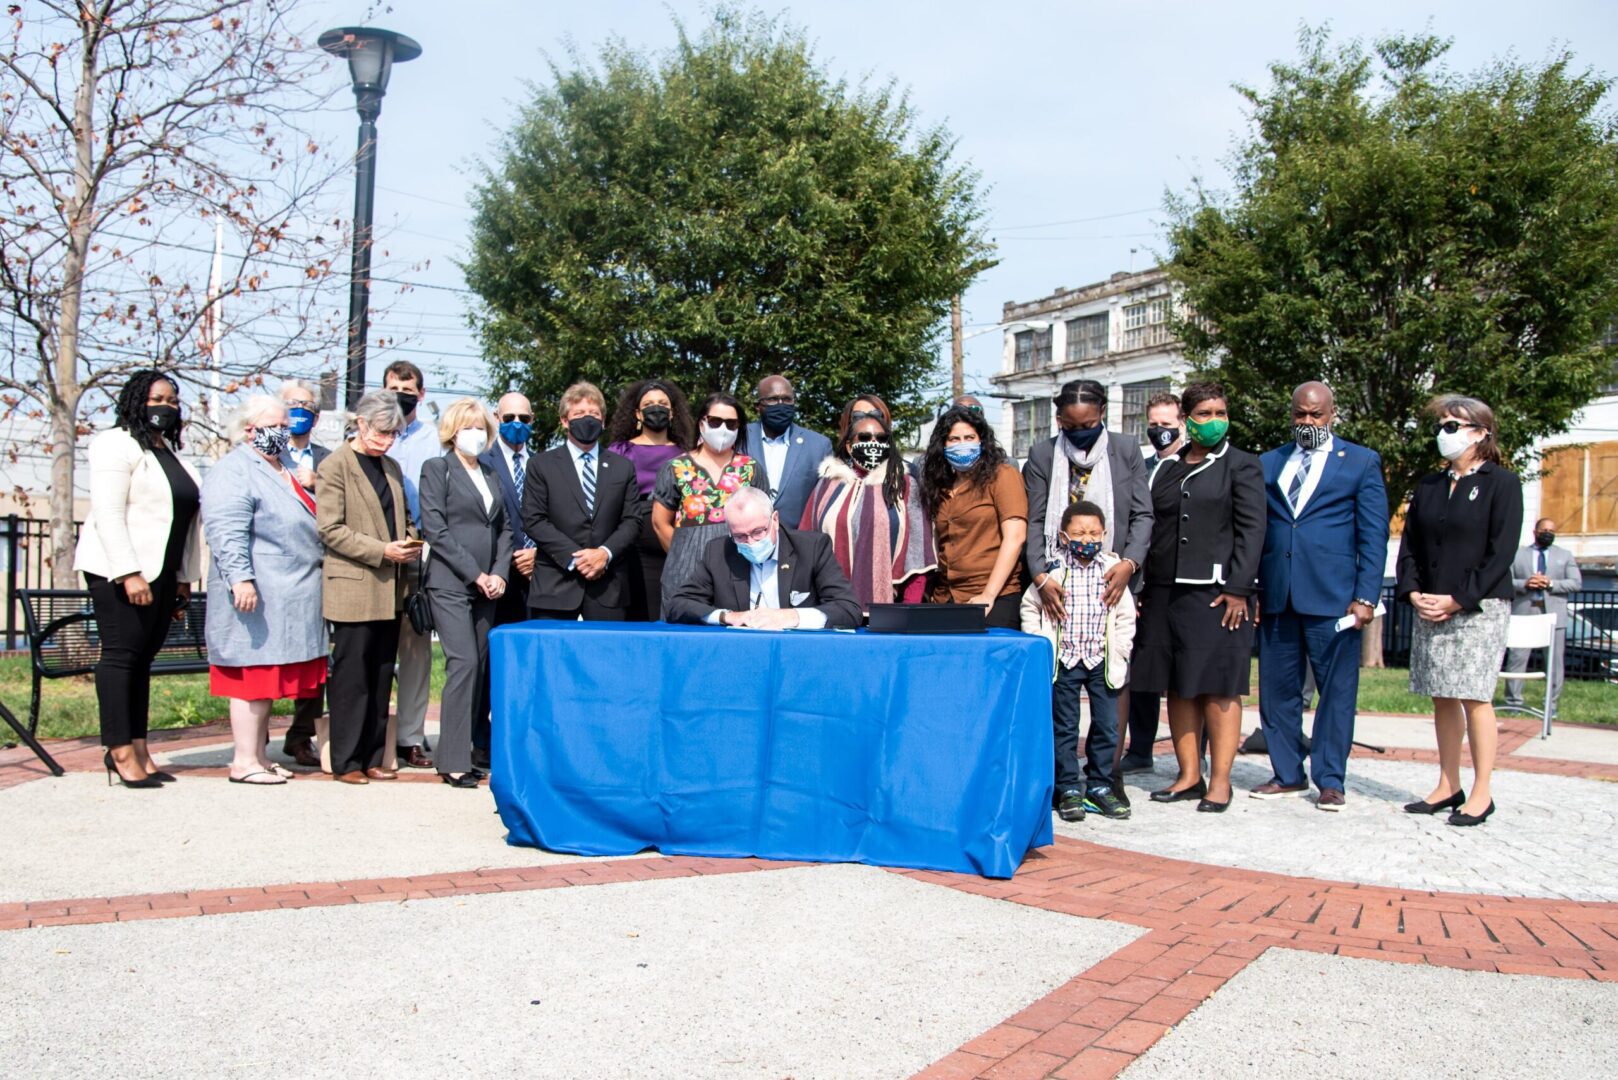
(519,473)
(1295,489)
(589,482)
(1540,560)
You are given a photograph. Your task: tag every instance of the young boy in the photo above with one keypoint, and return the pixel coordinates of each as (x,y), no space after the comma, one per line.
(1093,643)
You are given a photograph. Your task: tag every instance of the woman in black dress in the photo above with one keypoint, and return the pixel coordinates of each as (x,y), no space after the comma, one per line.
(1195,641)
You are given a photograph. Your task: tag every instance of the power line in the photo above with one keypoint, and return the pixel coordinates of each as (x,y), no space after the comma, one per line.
(1080,221)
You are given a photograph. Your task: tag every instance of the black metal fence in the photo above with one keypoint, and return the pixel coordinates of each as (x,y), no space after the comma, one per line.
(26,547)
(1590,638)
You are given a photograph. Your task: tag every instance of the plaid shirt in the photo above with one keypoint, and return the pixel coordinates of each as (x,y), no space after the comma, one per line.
(1084,629)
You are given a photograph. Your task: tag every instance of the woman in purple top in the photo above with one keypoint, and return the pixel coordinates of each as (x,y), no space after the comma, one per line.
(651,426)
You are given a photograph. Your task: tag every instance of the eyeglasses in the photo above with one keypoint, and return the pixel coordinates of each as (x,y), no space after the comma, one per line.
(972,408)
(518,417)
(760,533)
(1450,427)
(871,437)
(302,405)
(717,422)
(866,414)
(779,399)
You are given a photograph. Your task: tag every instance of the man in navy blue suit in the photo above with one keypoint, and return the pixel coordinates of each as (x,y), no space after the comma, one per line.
(1325,547)
(790,454)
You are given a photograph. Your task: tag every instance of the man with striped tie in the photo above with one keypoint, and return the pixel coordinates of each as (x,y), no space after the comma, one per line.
(578,510)
(1325,546)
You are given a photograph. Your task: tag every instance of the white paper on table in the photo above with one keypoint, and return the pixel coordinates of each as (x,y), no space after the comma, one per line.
(1347,621)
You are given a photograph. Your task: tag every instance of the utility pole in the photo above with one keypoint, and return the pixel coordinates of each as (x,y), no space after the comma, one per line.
(957,369)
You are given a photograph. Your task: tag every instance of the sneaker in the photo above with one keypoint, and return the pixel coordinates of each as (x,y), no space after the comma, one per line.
(1071,806)
(1102,801)
(1330,799)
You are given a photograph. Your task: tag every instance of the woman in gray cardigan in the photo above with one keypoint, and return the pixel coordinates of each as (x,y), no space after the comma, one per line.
(269,640)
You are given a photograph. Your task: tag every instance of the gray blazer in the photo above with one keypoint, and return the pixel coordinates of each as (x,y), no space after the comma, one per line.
(1131,500)
(259,531)
(800,471)
(1560,567)
(465,539)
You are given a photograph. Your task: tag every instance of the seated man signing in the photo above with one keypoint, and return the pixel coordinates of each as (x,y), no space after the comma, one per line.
(765,576)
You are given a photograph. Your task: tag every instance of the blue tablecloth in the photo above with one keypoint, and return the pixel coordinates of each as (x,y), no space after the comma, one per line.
(897,750)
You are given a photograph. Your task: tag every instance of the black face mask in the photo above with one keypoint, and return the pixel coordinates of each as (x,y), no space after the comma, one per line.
(656,417)
(584,429)
(1162,437)
(777,418)
(1545,539)
(1082,439)
(164,418)
(407,402)
(868,455)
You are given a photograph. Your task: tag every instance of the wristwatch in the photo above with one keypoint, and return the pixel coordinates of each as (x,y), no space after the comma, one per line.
(1368,603)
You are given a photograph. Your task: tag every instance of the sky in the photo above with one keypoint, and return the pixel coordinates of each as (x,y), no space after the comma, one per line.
(1080,116)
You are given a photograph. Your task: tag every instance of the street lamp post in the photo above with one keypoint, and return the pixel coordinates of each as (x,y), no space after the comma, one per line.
(371,54)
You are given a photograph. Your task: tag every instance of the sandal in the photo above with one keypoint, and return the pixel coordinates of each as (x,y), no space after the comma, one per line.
(281,770)
(275,778)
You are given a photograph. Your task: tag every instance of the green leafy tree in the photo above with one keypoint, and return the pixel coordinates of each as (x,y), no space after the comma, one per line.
(720,213)
(1398,230)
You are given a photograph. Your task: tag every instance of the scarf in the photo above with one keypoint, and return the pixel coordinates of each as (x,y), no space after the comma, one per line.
(877,546)
(1098,490)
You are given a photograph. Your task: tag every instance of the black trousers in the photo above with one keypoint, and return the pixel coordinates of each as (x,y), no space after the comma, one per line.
(1006,613)
(361,679)
(592,610)
(1144,709)
(304,715)
(130,639)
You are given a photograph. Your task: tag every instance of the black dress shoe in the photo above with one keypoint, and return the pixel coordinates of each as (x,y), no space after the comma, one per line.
(1133,764)
(1454,802)
(481,774)
(480,759)
(1458,818)
(1208,806)
(465,780)
(302,751)
(1195,791)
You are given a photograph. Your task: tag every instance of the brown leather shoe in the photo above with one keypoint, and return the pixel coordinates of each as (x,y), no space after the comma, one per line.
(1272,789)
(303,752)
(355,777)
(1330,799)
(414,757)
(381,774)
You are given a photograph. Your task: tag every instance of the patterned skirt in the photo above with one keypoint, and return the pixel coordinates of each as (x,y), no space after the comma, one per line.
(1460,658)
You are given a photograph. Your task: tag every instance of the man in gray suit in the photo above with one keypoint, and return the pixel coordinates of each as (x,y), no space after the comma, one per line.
(791,455)
(1543,576)
(303,456)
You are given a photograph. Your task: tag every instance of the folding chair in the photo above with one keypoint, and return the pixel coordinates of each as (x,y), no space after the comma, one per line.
(1533,632)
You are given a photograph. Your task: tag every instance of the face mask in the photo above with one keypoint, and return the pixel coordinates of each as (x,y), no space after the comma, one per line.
(1310,437)
(1545,539)
(1161,437)
(471,441)
(719,439)
(515,432)
(1452,444)
(757,552)
(164,418)
(407,402)
(1208,433)
(868,455)
(1084,549)
(777,418)
(584,429)
(656,417)
(1081,439)
(964,455)
(270,441)
(303,421)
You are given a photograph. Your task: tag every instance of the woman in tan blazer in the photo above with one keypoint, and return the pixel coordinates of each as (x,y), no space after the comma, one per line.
(362,520)
(139,551)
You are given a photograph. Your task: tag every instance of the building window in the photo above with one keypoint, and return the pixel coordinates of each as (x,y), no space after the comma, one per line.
(1033,349)
(1146,324)
(1087,338)
(1136,395)
(1030,422)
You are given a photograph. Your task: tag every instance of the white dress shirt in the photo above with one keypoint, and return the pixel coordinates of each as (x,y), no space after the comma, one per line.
(764,591)
(509,452)
(775,456)
(1316,466)
(578,453)
(476,475)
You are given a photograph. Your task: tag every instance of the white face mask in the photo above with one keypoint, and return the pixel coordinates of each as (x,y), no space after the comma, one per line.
(719,439)
(1451,445)
(471,441)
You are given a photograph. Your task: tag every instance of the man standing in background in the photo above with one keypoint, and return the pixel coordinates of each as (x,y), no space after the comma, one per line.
(791,455)
(302,457)
(1542,575)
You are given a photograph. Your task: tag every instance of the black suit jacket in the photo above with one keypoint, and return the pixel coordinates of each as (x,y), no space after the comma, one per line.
(495,459)
(807,567)
(554,517)
(1131,502)
(1213,530)
(1462,544)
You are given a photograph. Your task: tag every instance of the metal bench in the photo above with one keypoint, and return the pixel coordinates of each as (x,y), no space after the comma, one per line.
(63,640)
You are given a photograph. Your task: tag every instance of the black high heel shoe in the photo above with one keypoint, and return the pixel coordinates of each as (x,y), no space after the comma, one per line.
(1458,818)
(1454,802)
(112,771)
(1195,791)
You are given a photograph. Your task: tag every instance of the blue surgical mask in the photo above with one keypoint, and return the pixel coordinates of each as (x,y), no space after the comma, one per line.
(757,552)
(515,432)
(303,421)
(1084,549)
(964,455)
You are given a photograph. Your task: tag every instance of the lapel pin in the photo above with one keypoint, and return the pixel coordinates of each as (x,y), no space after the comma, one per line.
(800,440)
(1342,453)
(1472,496)
(786,566)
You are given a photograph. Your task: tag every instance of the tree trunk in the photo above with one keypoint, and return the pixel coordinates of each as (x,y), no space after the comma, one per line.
(1371,644)
(64,438)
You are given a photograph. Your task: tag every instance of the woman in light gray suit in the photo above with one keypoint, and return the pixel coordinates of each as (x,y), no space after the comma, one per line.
(463,517)
(269,641)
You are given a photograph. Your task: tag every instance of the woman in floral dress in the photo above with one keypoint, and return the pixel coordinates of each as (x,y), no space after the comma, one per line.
(688,503)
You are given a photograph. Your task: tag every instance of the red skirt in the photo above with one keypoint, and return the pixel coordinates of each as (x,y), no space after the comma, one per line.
(261,682)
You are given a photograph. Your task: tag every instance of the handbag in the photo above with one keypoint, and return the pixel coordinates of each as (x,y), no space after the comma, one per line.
(418,608)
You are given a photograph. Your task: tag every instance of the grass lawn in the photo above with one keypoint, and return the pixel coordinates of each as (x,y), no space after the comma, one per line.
(68,706)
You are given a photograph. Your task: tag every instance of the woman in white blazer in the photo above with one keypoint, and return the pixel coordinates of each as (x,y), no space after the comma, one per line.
(139,551)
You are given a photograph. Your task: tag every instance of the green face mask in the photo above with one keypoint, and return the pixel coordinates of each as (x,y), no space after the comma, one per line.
(1208,432)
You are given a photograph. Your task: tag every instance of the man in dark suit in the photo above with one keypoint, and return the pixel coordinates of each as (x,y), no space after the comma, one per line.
(578,508)
(1325,546)
(302,458)
(790,454)
(766,576)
